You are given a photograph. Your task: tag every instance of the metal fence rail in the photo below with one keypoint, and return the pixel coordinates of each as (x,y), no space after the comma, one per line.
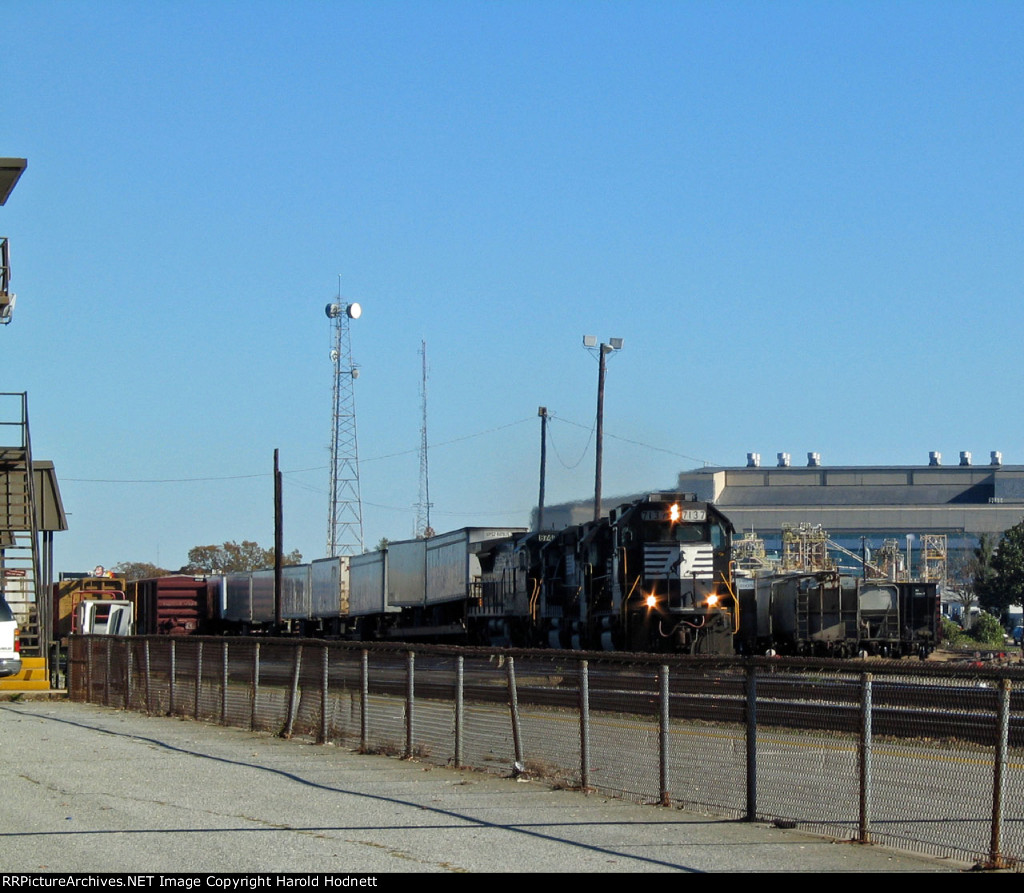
(908,754)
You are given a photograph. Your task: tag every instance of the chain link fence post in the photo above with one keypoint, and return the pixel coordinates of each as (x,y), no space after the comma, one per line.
(324,681)
(128,676)
(410,702)
(173,673)
(864,757)
(664,723)
(584,693)
(751,741)
(199,676)
(460,717)
(293,695)
(254,714)
(513,706)
(224,684)
(995,854)
(106,675)
(364,706)
(147,664)
(88,669)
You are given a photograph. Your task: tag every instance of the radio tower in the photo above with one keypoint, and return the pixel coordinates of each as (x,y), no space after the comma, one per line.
(345,518)
(423,528)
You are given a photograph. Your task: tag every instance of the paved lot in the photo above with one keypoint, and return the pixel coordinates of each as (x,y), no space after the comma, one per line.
(94,789)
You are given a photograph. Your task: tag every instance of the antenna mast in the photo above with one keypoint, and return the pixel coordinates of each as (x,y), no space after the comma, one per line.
(423,528)
(345,517)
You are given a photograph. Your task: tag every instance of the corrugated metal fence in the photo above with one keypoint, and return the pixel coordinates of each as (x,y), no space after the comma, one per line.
(907,754)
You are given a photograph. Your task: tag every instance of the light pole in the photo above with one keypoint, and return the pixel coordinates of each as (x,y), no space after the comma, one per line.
(590,343)
(542,411)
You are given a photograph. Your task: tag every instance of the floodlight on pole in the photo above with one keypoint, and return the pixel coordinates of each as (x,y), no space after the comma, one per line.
(614,344)
(345,516)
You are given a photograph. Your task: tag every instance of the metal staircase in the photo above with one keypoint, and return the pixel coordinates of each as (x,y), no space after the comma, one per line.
(19,525)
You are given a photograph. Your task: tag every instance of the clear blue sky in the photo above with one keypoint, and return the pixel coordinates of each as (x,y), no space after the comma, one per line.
(805,220)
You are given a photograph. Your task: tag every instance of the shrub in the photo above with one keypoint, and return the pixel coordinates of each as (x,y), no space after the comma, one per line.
(952,635)
(987,630)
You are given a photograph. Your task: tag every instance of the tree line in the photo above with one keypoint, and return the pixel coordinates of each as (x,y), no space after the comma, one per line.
(227,558)
(998,571)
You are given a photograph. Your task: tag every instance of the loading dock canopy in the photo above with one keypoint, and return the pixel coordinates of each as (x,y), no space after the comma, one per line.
(49,508)
(10,171)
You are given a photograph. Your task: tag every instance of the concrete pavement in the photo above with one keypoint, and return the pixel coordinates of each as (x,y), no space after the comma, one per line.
(93,789)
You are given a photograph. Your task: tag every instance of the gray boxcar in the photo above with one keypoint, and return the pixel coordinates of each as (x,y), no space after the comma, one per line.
(368,576)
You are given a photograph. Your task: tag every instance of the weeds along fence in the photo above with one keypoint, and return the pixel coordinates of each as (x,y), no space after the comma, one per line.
(906,754)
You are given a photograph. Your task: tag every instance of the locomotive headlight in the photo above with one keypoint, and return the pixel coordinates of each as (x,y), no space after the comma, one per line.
(673,513)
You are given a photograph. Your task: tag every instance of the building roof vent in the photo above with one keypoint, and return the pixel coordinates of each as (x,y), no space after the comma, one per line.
(965,457)
(783,460)
(753,460)
(997,458)
(934,458)
(813,460)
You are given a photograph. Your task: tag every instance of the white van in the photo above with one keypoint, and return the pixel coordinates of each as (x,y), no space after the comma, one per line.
(10,644)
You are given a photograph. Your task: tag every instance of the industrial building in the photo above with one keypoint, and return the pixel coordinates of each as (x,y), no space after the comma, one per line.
(926,508)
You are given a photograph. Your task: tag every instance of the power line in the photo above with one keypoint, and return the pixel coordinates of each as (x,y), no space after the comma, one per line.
(443,443)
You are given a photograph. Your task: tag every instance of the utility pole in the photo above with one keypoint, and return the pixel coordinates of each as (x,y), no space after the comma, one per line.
(278,540)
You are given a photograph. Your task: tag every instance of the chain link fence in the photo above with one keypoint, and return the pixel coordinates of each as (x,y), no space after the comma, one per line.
(914,755)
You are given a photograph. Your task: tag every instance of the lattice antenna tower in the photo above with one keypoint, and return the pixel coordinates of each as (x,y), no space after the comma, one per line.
(345,512)
(423,528)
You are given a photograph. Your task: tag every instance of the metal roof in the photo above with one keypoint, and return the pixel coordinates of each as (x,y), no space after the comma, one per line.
(10,170)
(49,507)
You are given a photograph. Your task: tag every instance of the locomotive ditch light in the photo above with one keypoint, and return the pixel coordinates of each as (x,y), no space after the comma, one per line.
(712,600)
(651,601)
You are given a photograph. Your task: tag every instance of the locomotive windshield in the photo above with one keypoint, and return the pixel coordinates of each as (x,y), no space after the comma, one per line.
(662,532)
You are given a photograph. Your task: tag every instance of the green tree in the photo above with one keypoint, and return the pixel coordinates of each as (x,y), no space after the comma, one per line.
(139,570)
(999,581)
(234,557)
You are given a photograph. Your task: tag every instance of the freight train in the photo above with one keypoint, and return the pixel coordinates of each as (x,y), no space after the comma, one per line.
(656,574)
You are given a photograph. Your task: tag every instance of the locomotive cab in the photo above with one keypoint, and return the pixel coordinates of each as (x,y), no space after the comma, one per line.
(669,579)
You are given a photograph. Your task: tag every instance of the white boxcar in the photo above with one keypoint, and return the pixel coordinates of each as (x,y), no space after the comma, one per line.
(368,579)
(406,573)
(329,587)
(263,596)
(296,595)
(452,566)
(237,606)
